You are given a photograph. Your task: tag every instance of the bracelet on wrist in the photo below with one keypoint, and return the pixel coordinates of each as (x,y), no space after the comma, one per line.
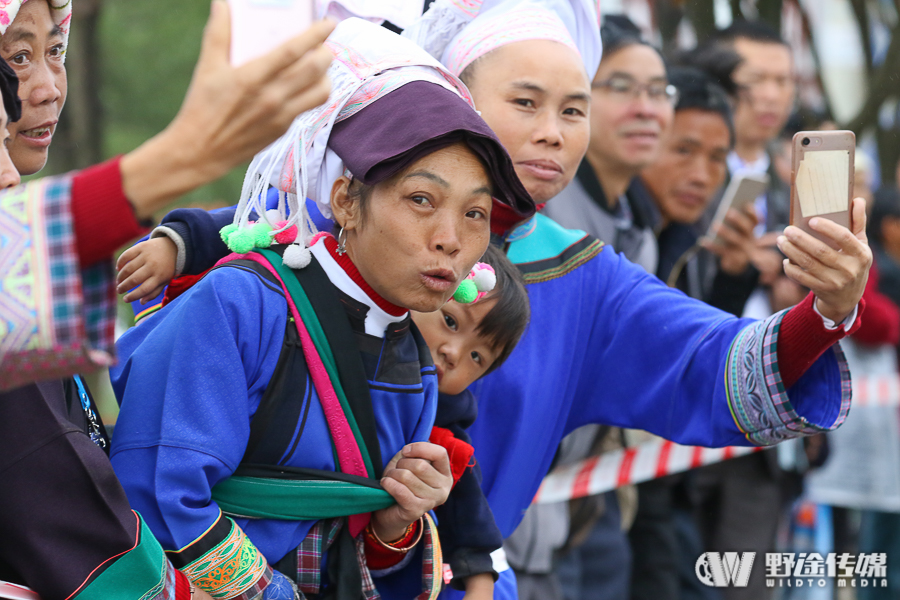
(370,531)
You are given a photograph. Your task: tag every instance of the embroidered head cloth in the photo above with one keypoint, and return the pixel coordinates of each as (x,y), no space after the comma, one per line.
(460,31)
(390,105)
(60,11)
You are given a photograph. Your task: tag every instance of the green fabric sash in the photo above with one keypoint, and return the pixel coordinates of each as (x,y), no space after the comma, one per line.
(297,500)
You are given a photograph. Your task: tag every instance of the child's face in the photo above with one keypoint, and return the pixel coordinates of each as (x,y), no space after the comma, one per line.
(460,354)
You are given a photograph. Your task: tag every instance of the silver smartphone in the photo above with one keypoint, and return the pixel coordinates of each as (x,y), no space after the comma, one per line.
(741,191)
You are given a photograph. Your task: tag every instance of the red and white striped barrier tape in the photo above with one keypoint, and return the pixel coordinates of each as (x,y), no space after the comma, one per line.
(658,458)
(650,460)
(12,591)
(882,390)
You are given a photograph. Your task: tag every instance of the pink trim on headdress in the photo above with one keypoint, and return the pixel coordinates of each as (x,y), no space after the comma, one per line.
(60,12)
(526,22)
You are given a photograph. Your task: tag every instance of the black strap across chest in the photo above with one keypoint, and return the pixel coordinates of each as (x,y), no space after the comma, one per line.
(272,427)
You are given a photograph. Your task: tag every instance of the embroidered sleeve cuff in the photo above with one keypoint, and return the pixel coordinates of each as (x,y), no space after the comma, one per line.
(224,563)
(758,399)
(59,317)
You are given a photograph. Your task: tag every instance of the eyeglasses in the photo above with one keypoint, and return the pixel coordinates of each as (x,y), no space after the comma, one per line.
(625,89)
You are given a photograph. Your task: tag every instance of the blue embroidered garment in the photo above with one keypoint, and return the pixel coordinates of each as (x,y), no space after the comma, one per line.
(191,378)
(608,343)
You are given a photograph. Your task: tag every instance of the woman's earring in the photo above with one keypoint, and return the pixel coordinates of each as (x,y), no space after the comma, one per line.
(342,242)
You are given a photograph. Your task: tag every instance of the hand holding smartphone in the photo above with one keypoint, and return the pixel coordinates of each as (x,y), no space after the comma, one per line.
(822,178)
(741,191)
(259,26)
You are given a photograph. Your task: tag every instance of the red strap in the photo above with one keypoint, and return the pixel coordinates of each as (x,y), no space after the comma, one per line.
(180,285)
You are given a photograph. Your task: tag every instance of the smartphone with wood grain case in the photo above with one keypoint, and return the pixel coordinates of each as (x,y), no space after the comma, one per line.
(822,178)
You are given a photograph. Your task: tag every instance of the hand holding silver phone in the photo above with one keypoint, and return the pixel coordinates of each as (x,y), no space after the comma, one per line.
(741,191)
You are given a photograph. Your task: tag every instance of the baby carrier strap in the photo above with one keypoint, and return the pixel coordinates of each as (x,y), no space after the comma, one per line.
(342,340)
(285,402)
(261,495)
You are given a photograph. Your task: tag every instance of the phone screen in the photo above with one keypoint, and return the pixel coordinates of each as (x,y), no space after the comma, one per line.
(259,26)
(822,178)
(822,181)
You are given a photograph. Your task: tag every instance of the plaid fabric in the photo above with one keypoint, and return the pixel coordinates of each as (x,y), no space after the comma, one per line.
(314,546)
(100,305)
(432,562)
(756,394)
(55,319)
(256,591)
(368,586)
(310,552)
(65,280)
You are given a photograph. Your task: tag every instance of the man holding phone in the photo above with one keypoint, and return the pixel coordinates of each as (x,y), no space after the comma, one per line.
(766,83)
(748,489)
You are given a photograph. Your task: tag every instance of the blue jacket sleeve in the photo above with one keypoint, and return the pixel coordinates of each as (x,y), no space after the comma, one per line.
(189,380)
(199,229)
(610,344)
(695,374)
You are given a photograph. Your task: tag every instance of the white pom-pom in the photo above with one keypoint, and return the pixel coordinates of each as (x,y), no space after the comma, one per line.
(485,280)
(297,257)
(273,216)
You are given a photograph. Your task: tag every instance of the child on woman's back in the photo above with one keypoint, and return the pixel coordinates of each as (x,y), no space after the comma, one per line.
(467,340)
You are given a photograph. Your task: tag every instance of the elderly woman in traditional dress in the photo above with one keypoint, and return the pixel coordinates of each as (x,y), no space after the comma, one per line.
(66,528)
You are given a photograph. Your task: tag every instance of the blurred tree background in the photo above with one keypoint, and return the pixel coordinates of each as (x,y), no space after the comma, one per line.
(129,66)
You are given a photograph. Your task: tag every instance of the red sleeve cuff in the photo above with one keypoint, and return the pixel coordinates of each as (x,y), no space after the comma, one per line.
(803,338)
(182,586)
(104,218)
(378,557)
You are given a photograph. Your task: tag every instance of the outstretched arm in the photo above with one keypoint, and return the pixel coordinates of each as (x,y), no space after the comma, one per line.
(229,114)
